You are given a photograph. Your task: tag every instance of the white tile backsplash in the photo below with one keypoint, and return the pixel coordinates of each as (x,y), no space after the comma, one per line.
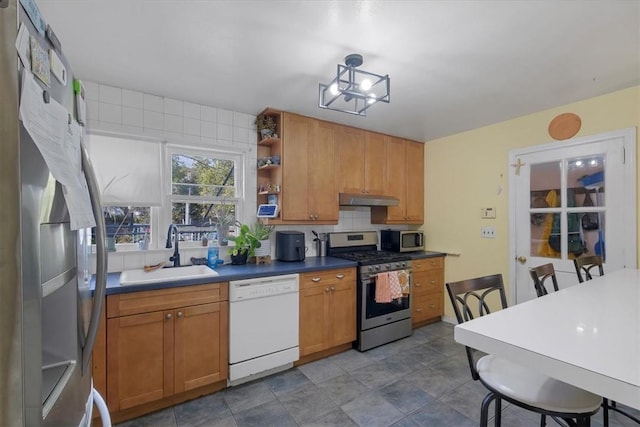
(191,110)
(111,113)
(225,117)
(92,90)
(93,109)
(131,98)
(172,106)
(132,117)
(172,123)
(191,126)
(208,129)
(153,120)
(110,94)
(225,132)
(153,103)
(209,114)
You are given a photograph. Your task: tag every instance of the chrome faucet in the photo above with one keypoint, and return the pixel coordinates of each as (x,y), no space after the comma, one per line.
(176,254)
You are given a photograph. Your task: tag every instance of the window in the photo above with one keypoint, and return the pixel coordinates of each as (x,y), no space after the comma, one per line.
(127,224)
(205,191)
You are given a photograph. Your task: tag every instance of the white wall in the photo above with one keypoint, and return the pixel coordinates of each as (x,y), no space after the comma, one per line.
(133,113)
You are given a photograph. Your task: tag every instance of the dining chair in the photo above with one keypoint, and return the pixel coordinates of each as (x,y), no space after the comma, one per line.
(584,264)
(510,381)
(540,275)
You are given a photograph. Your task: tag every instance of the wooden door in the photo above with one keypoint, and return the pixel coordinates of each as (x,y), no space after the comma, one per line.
(414,197)
(297,131)
(201,344)
(350,151)
(396,178)
(322,195)
(313,317)
(375,162)
(343,311)
(139,359)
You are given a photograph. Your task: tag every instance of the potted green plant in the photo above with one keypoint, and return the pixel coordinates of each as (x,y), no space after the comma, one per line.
(245,245)
(262,232)
(223,215)
(266,126)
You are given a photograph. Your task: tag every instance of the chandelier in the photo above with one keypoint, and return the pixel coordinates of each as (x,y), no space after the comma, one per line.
(353,91)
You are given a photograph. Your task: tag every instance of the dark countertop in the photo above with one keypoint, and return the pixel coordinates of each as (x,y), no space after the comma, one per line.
(234,272)
(425,254)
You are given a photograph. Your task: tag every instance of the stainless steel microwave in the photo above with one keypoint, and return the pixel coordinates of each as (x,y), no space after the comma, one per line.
(401,240)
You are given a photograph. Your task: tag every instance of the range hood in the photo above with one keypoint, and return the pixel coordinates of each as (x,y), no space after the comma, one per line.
(347,199)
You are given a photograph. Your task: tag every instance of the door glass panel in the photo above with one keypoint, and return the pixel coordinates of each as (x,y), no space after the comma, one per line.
(544,178)
(545,240)
(585,178)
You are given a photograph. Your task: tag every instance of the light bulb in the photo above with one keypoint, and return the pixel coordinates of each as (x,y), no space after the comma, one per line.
(365,84)
(372,98)
(578,163)
(593,163)
(334,89)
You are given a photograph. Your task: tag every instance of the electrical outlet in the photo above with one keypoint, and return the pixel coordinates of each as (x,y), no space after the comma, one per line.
(488,232)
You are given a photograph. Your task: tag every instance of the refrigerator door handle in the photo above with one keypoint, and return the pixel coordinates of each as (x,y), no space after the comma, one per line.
(101,259)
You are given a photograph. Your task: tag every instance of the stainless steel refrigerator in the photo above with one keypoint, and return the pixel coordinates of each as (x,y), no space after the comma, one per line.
(48,313)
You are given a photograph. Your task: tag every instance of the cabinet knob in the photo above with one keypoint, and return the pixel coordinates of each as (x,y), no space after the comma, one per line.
(418,310)
(432,263)
(432,305)
(418,284)
(333,289)
(433,282)
(340,276)
(417,264)
(315,279)
(168,316)
(310,216)
(326,289)
(179,314)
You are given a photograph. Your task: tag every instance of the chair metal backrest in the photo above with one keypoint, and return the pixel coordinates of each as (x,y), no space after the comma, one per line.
(468,298)
(540,275)
(584,264)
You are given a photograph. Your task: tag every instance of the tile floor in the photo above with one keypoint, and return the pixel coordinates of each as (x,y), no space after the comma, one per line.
(422,380)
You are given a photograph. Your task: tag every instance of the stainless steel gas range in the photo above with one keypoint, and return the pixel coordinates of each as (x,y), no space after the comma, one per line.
(384,287)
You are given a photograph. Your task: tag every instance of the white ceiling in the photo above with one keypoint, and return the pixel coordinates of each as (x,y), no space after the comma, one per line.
(454,65)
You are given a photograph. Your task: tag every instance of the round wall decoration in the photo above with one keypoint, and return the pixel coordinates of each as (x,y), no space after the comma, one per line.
(564,126)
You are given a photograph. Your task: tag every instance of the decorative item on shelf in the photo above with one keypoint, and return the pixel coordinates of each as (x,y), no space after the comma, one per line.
(265,161)
(351,84)
(275,159)
(266,126)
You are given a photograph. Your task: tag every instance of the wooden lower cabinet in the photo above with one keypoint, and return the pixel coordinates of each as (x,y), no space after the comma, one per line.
(166,342)
(428,290)
(327,309)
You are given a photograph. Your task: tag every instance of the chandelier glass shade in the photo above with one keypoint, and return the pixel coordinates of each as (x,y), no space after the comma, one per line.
(353,90)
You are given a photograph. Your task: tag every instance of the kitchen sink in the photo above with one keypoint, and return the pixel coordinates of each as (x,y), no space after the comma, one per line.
(140,276)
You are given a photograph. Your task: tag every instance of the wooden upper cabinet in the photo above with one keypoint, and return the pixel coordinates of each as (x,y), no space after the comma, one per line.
(350,147)
(362,161)
(296,136)
(308,171)
(375,162)
(322,196)
(405,180)
(414,208)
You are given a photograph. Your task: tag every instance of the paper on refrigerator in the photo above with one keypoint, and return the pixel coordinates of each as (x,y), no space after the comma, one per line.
(59,143)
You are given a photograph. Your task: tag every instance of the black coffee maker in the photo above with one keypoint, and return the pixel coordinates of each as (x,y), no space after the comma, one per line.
(290,246)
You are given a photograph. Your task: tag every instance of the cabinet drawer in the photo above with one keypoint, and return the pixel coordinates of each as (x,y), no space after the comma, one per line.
(326,277)
(425,264)
(166,299)
(427,307)
(428,282)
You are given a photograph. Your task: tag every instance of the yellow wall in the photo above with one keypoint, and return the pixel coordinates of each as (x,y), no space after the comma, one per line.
(464,171)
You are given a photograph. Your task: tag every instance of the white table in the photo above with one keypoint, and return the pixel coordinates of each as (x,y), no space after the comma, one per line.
(587,335)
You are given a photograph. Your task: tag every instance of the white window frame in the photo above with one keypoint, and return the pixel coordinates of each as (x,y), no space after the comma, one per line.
(239,177)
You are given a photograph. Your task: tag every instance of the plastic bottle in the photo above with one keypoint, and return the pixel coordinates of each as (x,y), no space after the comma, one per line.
(213,254)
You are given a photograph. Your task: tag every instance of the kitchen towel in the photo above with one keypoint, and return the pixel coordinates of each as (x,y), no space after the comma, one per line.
(383,288)
(394,285)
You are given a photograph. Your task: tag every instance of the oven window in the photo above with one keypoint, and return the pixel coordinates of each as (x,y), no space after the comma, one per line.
(374,309)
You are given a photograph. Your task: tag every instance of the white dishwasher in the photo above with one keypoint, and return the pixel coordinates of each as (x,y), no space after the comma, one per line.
(263,326)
